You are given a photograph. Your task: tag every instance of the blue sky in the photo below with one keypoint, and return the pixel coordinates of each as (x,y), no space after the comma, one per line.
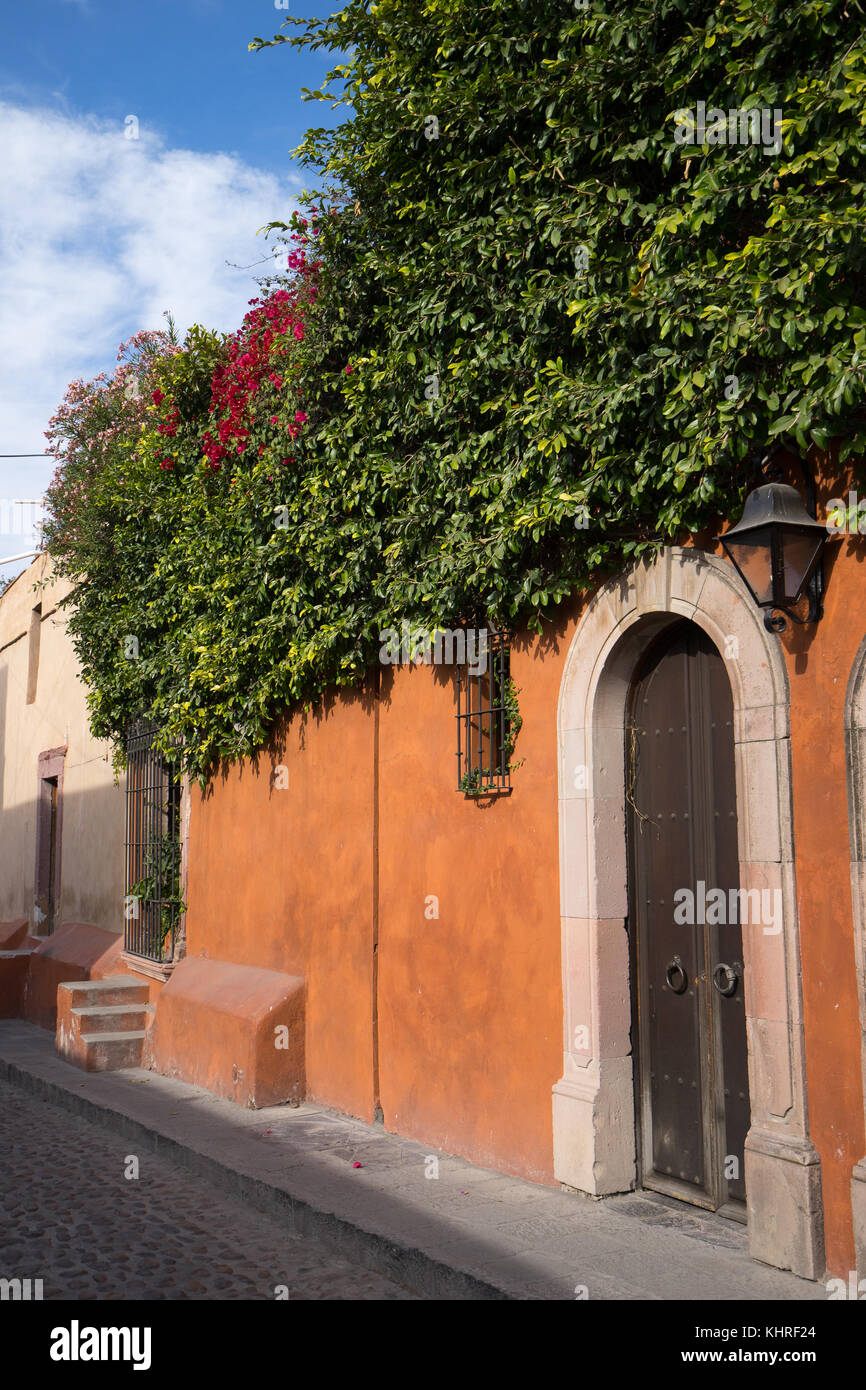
(100,233)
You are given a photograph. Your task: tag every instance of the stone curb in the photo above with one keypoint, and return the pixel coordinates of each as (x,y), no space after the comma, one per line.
(404,1264)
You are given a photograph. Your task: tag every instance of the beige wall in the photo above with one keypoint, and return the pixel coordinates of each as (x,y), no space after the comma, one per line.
(92,826)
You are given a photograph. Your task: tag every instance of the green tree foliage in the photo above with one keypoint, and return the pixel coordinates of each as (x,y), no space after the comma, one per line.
(546,336)
(616,320)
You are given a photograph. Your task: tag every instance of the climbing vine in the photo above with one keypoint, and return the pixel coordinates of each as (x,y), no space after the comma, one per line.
(530,332)
(514,722)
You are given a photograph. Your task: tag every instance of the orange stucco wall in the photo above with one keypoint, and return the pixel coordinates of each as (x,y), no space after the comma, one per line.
(453,1022)
(470,1002)
(283,878)
(819,663)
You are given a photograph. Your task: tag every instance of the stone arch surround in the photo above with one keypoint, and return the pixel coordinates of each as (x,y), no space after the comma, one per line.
(593,1102)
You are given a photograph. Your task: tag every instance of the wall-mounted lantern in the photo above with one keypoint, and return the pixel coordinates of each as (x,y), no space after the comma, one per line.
(776,548)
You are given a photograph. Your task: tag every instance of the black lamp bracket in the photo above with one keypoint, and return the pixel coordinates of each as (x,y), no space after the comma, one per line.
(774,621)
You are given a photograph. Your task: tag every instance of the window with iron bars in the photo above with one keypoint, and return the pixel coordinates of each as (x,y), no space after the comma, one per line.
(152,905)
(486,728)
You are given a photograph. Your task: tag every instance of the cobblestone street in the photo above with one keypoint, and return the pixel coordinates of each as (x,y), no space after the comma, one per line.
(70,1217)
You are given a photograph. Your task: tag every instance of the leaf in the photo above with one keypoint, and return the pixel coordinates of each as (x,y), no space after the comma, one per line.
(610,382)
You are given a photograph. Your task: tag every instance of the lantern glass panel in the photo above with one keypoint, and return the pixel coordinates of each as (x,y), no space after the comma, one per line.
(752,556)
(800,549)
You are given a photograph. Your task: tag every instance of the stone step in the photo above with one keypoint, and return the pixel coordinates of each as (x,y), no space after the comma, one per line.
(115,989)
(101,1024)
(111,1051)
(110,1018)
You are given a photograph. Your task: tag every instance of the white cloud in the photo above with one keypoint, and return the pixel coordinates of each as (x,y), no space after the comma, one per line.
(99,235)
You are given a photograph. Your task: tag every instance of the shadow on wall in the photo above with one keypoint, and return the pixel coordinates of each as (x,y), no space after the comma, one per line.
(89,846)
(238,1030)
(86,838)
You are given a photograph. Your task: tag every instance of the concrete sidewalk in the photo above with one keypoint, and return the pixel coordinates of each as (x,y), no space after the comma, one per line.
(467,1234)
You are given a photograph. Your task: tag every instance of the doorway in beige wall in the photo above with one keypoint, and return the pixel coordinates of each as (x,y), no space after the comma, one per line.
(49,821)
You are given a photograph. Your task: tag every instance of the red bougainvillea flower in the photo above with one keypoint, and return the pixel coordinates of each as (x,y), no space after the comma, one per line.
(158,397)
(249,369)
(284,462)
(348,370)
(167,464)
(300,417)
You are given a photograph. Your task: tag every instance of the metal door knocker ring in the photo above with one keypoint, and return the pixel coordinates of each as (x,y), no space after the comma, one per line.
(725,979)
(676,968)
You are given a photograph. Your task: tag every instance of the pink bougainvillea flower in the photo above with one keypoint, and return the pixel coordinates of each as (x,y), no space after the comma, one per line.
(298,331)
(348,370)
(300,417)
(357,1165)
(274,419)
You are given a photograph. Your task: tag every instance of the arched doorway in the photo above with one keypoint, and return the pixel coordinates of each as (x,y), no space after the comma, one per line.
(685,934)
(594,1132)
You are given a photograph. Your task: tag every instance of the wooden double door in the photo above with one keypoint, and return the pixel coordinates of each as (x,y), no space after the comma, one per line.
(689,1025)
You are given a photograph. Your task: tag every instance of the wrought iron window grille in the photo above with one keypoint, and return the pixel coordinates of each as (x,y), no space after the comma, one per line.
(152,903)
(485,731)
